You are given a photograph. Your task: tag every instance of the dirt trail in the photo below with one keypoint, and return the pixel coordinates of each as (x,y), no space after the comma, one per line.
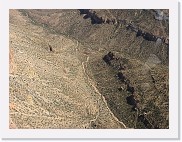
(102,97)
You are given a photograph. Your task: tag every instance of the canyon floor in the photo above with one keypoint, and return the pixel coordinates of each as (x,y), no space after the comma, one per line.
(58,78)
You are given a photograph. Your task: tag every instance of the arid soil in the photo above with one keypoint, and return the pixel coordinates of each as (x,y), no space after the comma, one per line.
(59,78)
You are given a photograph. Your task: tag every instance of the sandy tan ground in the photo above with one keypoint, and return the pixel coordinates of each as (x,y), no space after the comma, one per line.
(51,89)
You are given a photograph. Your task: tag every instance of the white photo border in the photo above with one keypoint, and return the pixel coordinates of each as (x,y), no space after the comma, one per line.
(171,133)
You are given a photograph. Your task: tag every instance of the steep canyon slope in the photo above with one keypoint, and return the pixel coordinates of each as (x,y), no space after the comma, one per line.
(59,78)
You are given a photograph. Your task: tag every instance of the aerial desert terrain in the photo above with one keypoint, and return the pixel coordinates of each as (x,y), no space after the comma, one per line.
(88,69)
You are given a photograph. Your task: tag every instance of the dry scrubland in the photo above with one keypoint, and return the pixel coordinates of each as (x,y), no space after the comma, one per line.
(58,78)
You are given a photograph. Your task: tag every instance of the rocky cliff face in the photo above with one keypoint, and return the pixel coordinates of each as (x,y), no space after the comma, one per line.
(120,56)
